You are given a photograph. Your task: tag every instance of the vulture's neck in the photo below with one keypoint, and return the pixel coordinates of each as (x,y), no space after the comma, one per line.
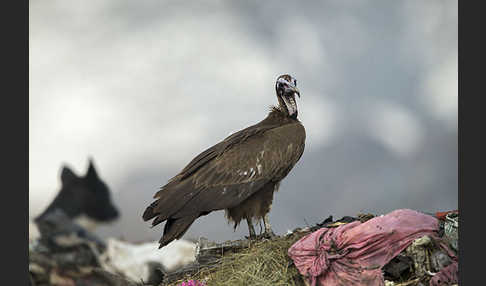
(276,113)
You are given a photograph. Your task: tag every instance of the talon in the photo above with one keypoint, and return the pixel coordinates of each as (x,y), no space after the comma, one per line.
(269,234)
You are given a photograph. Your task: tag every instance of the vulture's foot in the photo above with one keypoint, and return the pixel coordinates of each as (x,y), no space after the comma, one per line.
(268,228)
(269,234)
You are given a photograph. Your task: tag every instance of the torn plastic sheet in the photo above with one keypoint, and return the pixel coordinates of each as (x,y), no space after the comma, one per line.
(354,253)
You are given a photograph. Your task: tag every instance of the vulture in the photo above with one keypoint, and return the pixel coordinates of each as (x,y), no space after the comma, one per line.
(239,174)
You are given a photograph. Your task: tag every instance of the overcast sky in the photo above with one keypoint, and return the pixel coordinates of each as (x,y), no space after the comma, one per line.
(144,86)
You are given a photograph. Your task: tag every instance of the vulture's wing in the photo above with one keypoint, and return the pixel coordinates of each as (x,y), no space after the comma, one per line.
(218,149)
(229,172)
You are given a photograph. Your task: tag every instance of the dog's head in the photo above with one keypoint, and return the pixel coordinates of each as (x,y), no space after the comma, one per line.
(86,200)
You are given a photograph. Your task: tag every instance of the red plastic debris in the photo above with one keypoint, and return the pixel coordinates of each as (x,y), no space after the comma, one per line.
(353,254)
(442,215)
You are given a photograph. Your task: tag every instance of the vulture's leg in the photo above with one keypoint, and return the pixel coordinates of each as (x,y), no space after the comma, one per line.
(251,229)
(268,227)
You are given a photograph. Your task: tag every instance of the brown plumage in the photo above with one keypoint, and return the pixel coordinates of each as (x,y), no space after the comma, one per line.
(239,174)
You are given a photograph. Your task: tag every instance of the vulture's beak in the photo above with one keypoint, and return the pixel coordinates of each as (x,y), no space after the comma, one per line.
(296,91)
(290,89)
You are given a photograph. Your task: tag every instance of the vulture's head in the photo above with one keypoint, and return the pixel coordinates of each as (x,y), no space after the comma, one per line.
(286,88)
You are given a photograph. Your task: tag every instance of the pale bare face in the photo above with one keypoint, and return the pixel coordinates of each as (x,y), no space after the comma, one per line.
(286,88)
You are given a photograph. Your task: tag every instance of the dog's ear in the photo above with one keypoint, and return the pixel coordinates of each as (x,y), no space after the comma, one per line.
(67,175)
(91,173)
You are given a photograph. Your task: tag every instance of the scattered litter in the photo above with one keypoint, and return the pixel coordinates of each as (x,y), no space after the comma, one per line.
(328,222)
(451,226)
(429,259)
(67,254)
(192,283)
(399,268)
(402,248)
(442,215)
(355,253)
(407,283)
(447,276)
(139,261)
(418,252)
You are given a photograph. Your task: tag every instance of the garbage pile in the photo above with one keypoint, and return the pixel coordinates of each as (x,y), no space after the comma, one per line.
(66,254)
(63,250)
(403,247)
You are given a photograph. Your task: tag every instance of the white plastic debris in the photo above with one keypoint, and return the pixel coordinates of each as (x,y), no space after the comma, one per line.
(451,227)
(133,260)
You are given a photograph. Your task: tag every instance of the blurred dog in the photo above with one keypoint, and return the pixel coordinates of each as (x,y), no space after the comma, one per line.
(82,204)
(84,200)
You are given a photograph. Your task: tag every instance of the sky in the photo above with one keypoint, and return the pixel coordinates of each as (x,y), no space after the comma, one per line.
(145,86)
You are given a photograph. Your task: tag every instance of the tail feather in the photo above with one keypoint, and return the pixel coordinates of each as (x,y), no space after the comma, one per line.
(175,229)
(169,201)
(167,207)
(157,220)
(149,212)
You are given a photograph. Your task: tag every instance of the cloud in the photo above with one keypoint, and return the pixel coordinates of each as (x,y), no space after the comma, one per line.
(320,118)
(440,92)
(397,128)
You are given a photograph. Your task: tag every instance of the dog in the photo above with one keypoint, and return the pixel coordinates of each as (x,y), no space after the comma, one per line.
(86,201)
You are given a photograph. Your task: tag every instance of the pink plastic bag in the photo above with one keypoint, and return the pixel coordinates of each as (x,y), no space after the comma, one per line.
(354,253)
